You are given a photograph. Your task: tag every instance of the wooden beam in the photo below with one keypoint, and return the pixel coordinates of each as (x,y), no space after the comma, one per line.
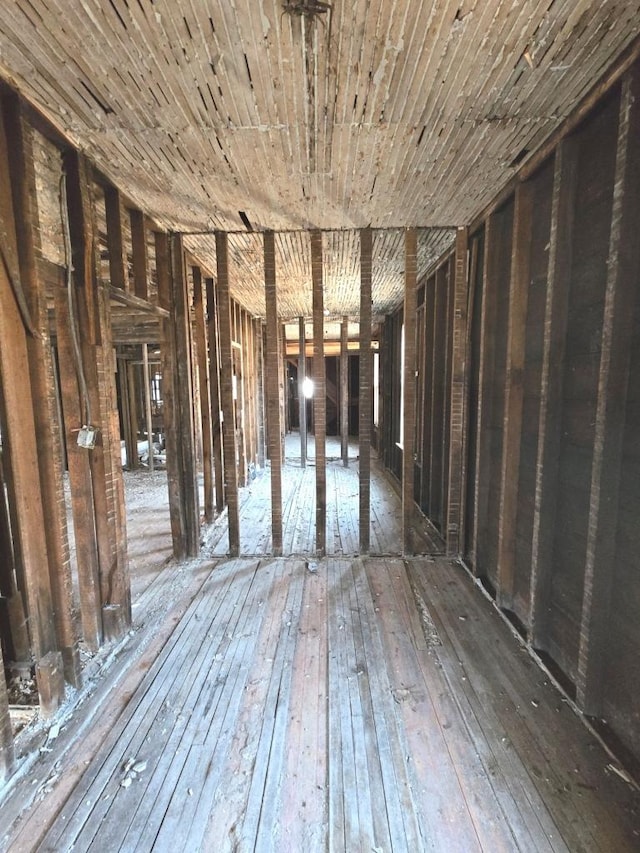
(302,400)
(181,316)
(140,305)
(560,255)
(226,389)
(23,184)
(131,427)
(365,400)
(214,391)
(118,263)
(621,297)
(79,468)
(7,753)
(205,396)
(260,414)
(459,389)
(140,254)
(274,426)
(344,391)
(22,457)
(409,374)
(319,393)
(514,391)
(98,367)
(146,384)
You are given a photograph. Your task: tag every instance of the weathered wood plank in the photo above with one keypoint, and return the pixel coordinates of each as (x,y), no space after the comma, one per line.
(140,256)
(118,262)
(214,390)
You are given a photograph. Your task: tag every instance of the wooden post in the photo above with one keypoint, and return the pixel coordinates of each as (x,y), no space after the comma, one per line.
(459,388)
(22,459)
(205,396)
(409,372)
(436,403)
(274,428)
(83,512)
(344,391)
(140,254)
(560,255)
(22,172)
(260,414)
(365,401)
(98,367)
(514,391)
(623,275)
(131,433)
(226,388)
(319,393)
(6,734)
(214,391)
(184,398)
(118,264)
(147,402)
(178,409)
(302,400)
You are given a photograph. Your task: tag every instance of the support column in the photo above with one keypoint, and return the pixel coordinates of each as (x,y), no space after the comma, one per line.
(623,275)
(178,408)
(274,427)
(409,373)
(459,368)
(365,391)
(319,393)
(226,383)
(20,445)
(560,258)
(514,391)
(118,262)
(140,254)
(344,391)
(214,391)
(260,414)
(205,396)
(302,400)
(22,170)
(147,403)
(98,377)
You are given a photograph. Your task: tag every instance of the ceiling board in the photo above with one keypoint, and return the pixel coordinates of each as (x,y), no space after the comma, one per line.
(375,113)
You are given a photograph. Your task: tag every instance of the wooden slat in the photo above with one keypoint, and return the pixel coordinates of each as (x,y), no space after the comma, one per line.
(365,392)
(272,391)
(409,373)
(226,394)
(623,273)
(319,392)
(514,391)
(560,252)
(205,397)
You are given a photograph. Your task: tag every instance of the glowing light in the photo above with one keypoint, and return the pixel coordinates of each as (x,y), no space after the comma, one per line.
(307,387)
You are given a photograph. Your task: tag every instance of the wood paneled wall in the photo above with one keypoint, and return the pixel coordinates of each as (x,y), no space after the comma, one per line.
(551,450)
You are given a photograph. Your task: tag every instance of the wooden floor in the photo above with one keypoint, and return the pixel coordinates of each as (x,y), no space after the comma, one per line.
(372,704)
(298,514)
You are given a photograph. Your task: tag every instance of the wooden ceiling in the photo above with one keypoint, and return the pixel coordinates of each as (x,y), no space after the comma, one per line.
(298,114)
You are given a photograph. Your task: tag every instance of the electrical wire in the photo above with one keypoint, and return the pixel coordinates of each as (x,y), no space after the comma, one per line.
(64,213)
